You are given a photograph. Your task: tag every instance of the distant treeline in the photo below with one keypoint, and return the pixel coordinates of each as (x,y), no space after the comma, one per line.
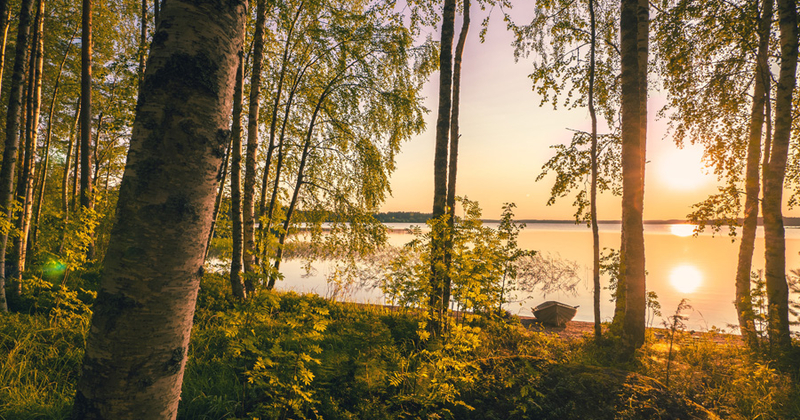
(417,217)
(403,217)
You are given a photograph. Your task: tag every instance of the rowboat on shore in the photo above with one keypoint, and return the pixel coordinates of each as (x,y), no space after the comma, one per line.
(554,313)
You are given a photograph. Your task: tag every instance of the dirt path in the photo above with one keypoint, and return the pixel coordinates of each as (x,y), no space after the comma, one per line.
(579,329)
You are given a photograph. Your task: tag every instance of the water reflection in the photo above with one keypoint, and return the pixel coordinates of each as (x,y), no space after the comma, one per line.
(682,230)
(685,278)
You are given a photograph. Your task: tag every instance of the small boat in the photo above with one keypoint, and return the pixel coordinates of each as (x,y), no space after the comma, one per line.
(554,313)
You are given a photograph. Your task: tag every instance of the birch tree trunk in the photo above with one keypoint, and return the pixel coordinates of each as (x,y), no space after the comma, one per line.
(86,193)
(65,206)
(593,187)
(13,114)
(237,284)
(438,248)
(25,182)
(248,210)
(743,302)
(5,12)
(632,257)
(137,345)
(452,167)
(774,234)
(221,177)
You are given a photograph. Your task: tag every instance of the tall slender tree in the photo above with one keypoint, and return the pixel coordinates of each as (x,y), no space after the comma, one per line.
(5,12)
(237,283)
(438,246)
(28,138)
(26,184)
(65,191)
(137,346)
(452,166)
(590,164)
(774,234)
(48,137)
(248,204)
(86,193)
(744,305)
(632,256)
(13,114)
(221,177)
(594,153)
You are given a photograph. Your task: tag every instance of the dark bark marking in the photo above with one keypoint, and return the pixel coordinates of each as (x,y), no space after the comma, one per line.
(178,208)
(184,75)
(173,365)
(221,143)
(111,306)
(159,38)
(147,170)
(133,253)
(83,409)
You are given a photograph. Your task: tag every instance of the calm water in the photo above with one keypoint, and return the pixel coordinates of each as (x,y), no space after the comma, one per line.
(701,269)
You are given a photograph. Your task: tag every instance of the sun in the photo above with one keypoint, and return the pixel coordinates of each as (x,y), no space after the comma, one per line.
(685,278)
(682,230)
(681,169)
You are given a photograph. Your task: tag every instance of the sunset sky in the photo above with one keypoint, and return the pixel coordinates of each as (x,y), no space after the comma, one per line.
(505,139)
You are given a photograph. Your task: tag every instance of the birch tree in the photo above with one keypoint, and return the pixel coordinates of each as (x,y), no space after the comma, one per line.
(136,349)
(13,115)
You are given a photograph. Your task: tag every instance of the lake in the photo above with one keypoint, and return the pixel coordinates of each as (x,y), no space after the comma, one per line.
(701,269)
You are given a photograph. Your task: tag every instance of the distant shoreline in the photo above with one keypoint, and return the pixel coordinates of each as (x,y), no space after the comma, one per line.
(417,217)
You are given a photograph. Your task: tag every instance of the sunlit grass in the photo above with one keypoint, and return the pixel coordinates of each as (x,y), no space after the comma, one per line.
(368,361)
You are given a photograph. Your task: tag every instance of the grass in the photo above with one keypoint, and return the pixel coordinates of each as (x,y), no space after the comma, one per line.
(284,355)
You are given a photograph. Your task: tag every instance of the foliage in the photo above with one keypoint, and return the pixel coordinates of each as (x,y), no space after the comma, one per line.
(758,295)
(283,355)
(673,324)
(43,351)
(572,165)
(556,34)
(488,269)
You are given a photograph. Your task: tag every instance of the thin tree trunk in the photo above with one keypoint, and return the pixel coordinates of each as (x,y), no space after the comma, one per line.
(279,164)
(452,170)
(265,229)
(743,302)
(221,177)
(438,249)
(237,283)
(598,332)
(5,12)
(774,234)
(65,182)
(297,186)
(248,211)
(76,175)
(46,161)
(86,193)
(13,114)
(632,260)
(143,313)
(95,146)
(25,182)
(142,42)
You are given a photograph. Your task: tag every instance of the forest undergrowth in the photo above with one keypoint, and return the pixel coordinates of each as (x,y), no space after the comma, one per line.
(289,356)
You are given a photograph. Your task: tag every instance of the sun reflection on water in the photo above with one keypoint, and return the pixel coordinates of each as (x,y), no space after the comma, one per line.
(685,278)
(682,230)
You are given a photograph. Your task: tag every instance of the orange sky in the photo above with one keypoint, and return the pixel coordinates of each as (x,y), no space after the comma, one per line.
(505,139)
